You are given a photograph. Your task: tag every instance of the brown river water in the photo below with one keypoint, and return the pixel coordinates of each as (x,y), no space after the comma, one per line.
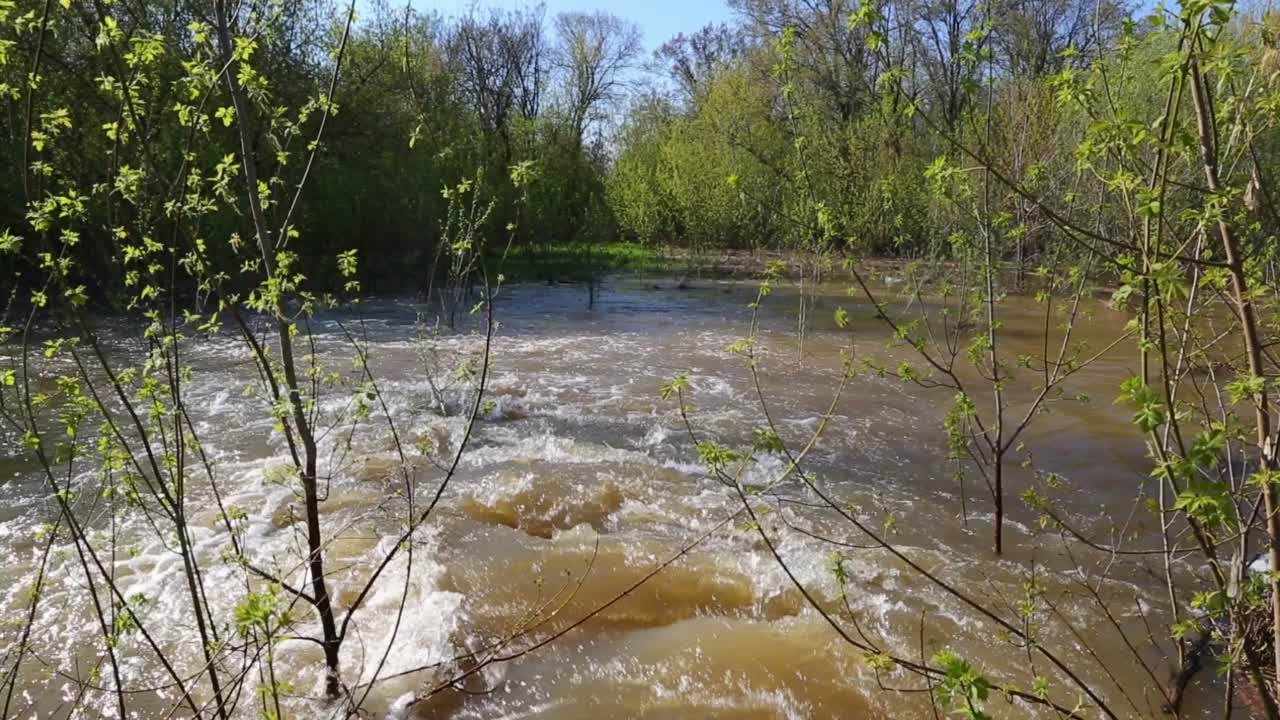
(580,479)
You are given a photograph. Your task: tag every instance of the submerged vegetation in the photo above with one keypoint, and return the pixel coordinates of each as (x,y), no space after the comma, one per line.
(961,178)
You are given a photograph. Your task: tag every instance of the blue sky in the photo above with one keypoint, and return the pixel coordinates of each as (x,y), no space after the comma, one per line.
(660,20)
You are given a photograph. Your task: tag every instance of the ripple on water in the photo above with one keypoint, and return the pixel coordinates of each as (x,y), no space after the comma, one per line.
(580,480)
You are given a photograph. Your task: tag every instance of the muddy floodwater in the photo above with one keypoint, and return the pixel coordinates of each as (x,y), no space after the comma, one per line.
(579,479)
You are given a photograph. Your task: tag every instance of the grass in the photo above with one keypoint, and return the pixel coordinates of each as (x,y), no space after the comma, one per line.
(572,262)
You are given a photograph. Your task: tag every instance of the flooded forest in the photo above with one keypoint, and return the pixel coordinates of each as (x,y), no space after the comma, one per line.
(866,359)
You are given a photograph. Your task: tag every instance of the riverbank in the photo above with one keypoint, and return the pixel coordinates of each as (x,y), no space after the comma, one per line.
(581,263)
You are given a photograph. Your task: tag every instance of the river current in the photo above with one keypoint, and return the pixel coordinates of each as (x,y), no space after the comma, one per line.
(579,479)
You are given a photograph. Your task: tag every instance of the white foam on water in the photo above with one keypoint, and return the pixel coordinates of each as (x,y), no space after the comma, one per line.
(553,448)
(559,402)
(412,635)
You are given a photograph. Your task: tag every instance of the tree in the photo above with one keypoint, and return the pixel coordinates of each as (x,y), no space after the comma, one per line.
(501,69)
(595,53)
(692,61)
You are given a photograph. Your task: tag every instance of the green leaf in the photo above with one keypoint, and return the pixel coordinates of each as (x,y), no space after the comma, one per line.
(1208,502)
(767,440)
(1246,387)
(9,243)
(678,384)
(716,456)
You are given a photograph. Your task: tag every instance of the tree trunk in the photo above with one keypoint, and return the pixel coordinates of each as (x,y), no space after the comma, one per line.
(315,543)
(1252,343)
